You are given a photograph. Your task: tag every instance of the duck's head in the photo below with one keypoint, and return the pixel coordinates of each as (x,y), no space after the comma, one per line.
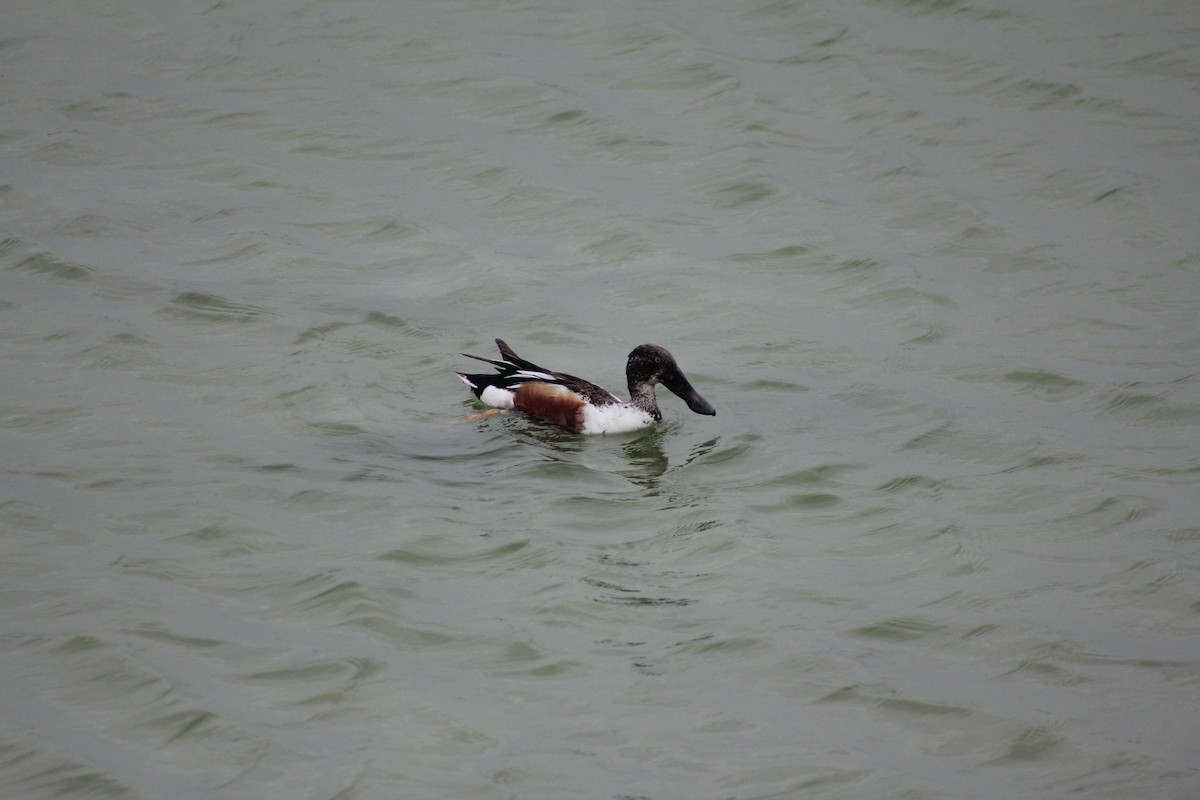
(649,364)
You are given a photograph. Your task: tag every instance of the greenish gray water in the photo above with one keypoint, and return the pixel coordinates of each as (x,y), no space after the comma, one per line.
(935,263)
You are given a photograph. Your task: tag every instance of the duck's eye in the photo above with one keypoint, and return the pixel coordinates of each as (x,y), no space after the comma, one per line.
(658,359)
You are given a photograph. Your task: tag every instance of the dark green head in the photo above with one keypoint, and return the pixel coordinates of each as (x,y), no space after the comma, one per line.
(649,364)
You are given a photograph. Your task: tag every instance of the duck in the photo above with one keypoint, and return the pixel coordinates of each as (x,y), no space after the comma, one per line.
(581,406)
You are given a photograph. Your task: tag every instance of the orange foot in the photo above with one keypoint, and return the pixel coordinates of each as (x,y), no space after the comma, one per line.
(482,415)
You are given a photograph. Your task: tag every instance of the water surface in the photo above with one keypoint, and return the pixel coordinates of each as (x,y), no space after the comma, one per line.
(935,264)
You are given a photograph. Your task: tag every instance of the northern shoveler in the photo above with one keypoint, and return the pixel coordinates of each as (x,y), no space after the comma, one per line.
(579,405)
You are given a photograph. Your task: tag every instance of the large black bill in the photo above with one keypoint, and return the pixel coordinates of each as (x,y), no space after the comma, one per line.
(680,386)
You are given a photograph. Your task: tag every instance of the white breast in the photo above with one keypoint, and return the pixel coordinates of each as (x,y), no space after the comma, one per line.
(615,418)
